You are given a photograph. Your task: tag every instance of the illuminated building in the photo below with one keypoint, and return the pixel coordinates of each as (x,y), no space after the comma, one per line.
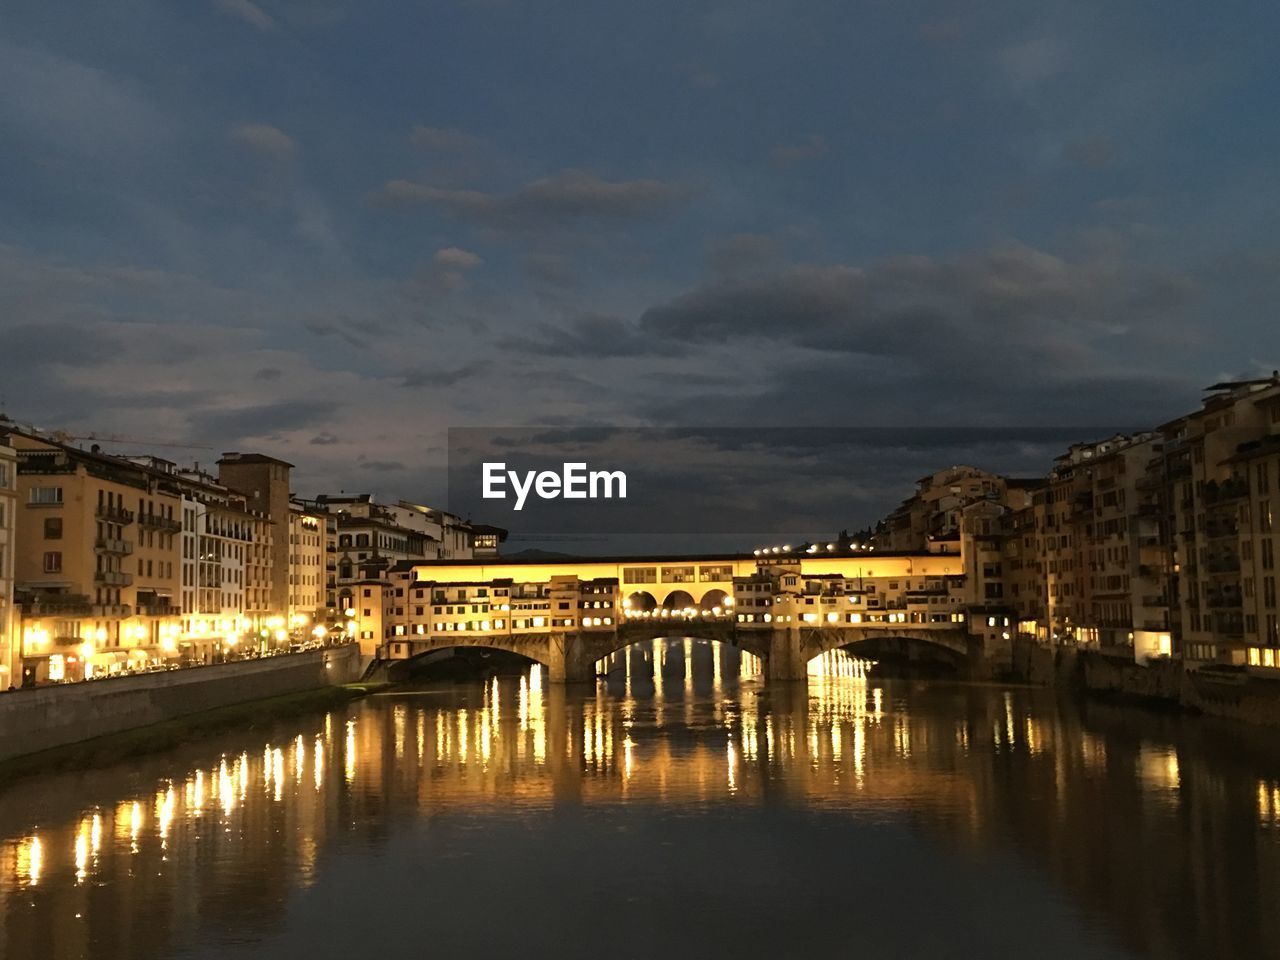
(10,643)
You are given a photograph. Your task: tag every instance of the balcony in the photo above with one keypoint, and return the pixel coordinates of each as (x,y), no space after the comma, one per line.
(1155,600)
(113,578)
(1226,600)
(157,522)
(64,606)
(1221,530)
(113,514)
(157,608)
(1234,488)
(111,610)
(110,545)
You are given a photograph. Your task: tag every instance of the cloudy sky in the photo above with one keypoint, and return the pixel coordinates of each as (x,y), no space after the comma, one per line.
(330,230)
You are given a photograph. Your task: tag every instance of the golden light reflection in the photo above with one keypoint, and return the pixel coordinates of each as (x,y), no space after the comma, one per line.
(82,851)
(1269,803)
(165,802)
(349,753)
(135,825)
(836,741)
(224,793)
(1158,767)
(399,720)
(731,761)
(277,773)
(30,860)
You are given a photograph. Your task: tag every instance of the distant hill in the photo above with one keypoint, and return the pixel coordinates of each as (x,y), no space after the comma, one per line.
(535,554)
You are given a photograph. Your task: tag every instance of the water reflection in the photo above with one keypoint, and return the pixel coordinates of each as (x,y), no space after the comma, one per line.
(1159,833)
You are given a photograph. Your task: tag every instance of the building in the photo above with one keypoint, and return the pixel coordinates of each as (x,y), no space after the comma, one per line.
(307,557)
(1257,465)
(10,645)
(935,510)
(365,539)
(129,562)
(1220,475)
(99,571)
(1159,544)
(264,481)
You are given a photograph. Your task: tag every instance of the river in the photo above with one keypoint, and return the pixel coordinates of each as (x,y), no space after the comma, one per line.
(691,811)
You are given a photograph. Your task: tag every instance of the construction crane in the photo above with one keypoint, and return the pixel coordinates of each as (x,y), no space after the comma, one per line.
(62,436)
(66,436)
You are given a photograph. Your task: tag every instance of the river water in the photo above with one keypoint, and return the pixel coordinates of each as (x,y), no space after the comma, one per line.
(690,811)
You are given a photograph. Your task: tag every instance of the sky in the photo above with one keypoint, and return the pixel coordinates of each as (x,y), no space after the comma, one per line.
(332,230)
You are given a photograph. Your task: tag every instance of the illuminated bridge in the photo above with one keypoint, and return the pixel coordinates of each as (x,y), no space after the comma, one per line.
(570,614)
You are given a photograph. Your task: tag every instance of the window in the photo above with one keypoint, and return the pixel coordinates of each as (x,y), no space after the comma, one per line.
(640,575)
(53,562)
(46,495)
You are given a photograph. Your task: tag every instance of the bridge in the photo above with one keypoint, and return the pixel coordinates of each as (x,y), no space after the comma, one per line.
(570,614)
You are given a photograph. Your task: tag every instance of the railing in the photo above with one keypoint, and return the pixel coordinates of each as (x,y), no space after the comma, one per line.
(157,610)
(114,514)
(112,545)
(1232,489)
(111,610)
(158,522)
(1218,601)
(77,607)
(113,578)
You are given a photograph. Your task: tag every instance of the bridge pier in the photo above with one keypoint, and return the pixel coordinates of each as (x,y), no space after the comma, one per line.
(786,659)
(569,660)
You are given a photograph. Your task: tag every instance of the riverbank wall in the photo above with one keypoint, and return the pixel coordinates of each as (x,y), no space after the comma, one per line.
(1233,695)
(42,718)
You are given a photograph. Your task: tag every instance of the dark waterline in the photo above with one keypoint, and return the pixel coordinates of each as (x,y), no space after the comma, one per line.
(683,812)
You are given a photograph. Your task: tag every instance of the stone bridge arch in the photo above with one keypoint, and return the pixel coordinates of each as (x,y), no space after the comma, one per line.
(537,649)
(953,642)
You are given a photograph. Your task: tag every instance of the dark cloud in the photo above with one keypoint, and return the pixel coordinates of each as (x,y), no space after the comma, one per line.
(355,332)
(743,252)
(443,378)
(71,344)
(592,335)
(268,373)
(382,466)
(563,199)
(1017,307)
(550,270)
(262,420)
(325,439)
